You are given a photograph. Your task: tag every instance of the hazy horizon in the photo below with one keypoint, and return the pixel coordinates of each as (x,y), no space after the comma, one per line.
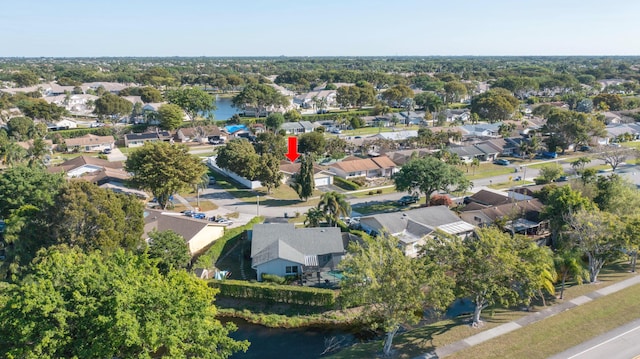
(333,28)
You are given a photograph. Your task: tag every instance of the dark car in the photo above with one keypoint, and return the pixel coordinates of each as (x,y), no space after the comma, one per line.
(106,151)
(502,162)
(199,215)
(549,155)
(406,200)
(562,179)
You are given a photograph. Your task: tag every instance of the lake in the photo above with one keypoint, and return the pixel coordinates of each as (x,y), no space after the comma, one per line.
(224,109)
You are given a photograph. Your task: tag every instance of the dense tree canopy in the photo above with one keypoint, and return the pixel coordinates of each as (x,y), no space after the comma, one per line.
(164,169)
(112,105)
(28,186)
(494,105)
(260,97)
(169,249)
(192,101)
(312,142)
(392,288)
(171,116)
(77,305)
(239,156)
(429,174)
(150,95)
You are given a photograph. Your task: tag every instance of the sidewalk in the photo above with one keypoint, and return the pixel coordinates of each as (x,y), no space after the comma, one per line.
(526,320)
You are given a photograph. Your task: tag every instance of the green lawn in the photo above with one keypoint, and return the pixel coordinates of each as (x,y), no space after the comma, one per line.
(374,130)
(563,331)
(487,170)
(366,192)
(281,196)
(378,207)
(571,323)
(510,184)
(634,144)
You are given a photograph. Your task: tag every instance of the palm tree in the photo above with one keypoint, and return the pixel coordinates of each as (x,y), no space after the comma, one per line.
(314,217)
(334,204)
(569,265)
(11,153)
(475,162)
(202,183)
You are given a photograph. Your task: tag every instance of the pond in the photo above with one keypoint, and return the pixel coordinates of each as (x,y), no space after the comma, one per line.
(224,109)
(277,343)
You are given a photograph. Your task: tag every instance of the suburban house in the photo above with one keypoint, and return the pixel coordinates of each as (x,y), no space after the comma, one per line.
(139,139)
(320,99)
(351,167)
(481,151)
(197,233)
(92,169)
(618,131)
(487,198)
(397,135)
(414,226)
(295,128)
(89,143)
(283,249)
(522,217)
(481,130)
(412,118)
(403,156)
(455,115)
(112,87)
(321,176)
(76,104)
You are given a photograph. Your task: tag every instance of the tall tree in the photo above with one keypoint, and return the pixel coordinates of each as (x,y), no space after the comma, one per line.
(164,169)
(454,91)
(192,101)
(490,268)
(91,217)
(150,95)
(303,182)
(27,186)
(428,174)
(334,204)
(569,265)
(312,142)
(313,217)
(269,172)
(112,105)
(76,305)
(274,121)
(494,105)
(269,142)
(170,249)
(559,202)
(25,78)
(260,97)
(392,289)
(597,235)
(171,116)
(240,157)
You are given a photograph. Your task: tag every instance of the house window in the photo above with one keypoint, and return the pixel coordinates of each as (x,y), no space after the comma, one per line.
(291,270)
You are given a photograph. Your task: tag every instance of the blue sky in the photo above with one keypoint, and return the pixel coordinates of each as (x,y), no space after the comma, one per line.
(65,28)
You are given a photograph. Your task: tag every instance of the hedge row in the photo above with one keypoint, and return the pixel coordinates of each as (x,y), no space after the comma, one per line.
(274,293)
(209,258)
(98,131)
(345,184)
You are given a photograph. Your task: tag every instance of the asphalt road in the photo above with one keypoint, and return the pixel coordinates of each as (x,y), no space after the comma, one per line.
(620,343)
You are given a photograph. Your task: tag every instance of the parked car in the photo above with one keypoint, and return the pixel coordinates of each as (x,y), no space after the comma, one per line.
(212,180)
(584,149)
(199,215)
(106,151)
(407,200)
(549,155)
(188,213)
(224,221)
(502,162)
(562,179)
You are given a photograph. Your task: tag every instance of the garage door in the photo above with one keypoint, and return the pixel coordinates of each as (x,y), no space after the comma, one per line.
(322,181)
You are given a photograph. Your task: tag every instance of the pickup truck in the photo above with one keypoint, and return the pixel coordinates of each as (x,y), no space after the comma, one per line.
(407,200)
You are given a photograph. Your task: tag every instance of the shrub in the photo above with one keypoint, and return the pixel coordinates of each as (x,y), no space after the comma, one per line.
(273,278)
(274,293)
(360,181)
(345,184)
(440,200)
(370,193)
(379,191)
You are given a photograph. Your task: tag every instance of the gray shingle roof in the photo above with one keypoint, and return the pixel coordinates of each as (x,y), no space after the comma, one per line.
(417,222)
(284,241)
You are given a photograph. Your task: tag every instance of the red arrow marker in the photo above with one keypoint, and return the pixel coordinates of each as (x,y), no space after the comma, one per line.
(293,154)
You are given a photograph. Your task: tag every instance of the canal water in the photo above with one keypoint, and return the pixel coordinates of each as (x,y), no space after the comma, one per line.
(278,343)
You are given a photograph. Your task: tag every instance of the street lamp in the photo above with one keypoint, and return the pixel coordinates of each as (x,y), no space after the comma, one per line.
(258,205)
